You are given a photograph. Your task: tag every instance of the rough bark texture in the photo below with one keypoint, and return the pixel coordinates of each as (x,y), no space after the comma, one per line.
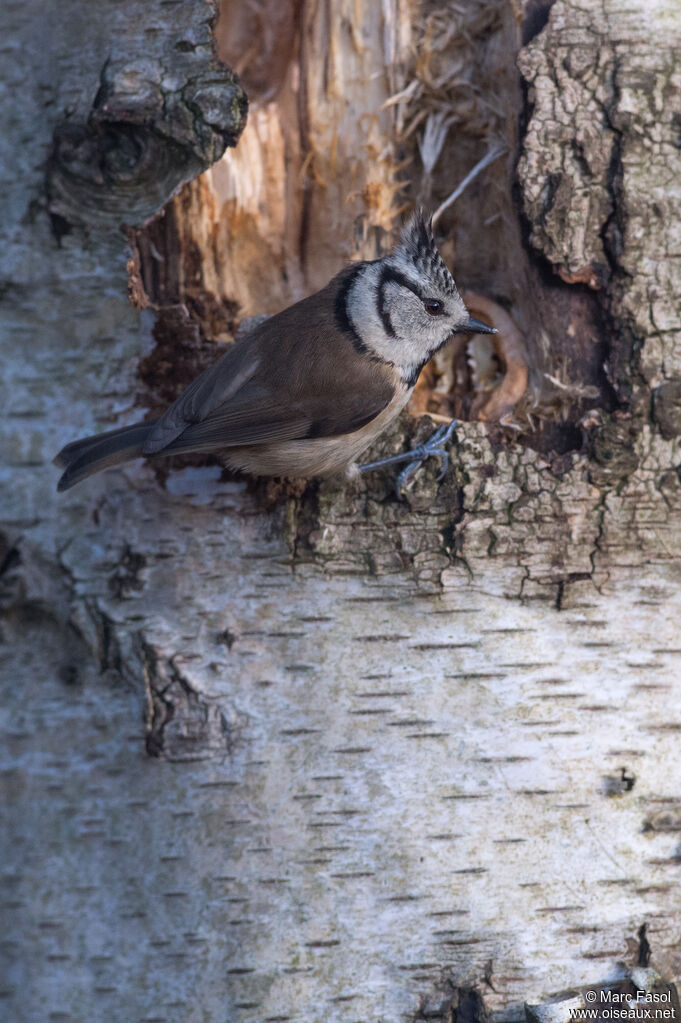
(336,757)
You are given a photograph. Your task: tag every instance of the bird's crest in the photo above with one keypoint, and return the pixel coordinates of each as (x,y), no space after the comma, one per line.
(417,244)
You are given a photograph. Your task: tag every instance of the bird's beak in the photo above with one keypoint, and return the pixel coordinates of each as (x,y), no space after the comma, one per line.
(473,326)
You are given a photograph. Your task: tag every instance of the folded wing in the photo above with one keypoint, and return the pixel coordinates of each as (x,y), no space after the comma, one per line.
(276,386)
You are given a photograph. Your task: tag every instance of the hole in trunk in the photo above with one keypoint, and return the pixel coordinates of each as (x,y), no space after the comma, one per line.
(350,124)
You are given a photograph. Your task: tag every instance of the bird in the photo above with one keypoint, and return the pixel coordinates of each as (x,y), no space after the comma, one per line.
(308,390)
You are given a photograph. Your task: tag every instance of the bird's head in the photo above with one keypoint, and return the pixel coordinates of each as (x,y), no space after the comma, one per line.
(405,306)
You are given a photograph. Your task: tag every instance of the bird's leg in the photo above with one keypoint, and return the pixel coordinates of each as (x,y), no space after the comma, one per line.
(435,446)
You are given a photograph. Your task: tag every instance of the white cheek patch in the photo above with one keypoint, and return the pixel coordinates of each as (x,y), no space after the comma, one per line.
(417,333)
(390,318)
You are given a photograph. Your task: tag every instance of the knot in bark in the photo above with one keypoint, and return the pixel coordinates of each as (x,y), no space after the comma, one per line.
(143,139)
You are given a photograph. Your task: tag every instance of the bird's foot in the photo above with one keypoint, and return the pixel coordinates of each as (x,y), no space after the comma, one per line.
(434,447)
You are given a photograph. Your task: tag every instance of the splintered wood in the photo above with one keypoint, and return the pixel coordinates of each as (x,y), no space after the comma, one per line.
(322,755)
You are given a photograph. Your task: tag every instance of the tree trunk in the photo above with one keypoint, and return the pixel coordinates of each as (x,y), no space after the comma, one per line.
(287,752)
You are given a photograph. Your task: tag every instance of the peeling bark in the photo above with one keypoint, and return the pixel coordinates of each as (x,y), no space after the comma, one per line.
(297,752)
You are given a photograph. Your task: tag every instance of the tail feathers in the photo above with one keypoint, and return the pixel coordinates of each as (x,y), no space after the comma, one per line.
(83,458)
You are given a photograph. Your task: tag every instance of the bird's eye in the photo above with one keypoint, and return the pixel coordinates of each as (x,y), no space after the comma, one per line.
(433,306)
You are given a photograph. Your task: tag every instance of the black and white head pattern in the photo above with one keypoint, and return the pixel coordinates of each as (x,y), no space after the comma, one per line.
(419,249)
(404,307)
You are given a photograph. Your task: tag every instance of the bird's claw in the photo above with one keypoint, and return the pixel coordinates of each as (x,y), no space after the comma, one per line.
(433,447)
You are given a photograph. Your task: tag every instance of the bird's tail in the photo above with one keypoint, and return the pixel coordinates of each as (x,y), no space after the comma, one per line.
(82,458)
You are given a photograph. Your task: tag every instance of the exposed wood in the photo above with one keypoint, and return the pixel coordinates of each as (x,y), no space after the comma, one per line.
(325,755)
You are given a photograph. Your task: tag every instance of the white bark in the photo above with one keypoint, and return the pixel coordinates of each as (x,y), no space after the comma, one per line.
(403,748)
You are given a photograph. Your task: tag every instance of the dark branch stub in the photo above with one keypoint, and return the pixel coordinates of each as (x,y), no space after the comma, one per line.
(140,143)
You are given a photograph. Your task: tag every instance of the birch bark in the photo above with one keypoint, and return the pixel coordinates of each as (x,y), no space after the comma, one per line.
(315,754)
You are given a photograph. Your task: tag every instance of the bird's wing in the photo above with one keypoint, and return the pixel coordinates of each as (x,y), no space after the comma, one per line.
(211,389)
(271,387)
(258,416)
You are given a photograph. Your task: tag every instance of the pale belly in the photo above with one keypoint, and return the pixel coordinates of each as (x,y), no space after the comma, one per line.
(314,456)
